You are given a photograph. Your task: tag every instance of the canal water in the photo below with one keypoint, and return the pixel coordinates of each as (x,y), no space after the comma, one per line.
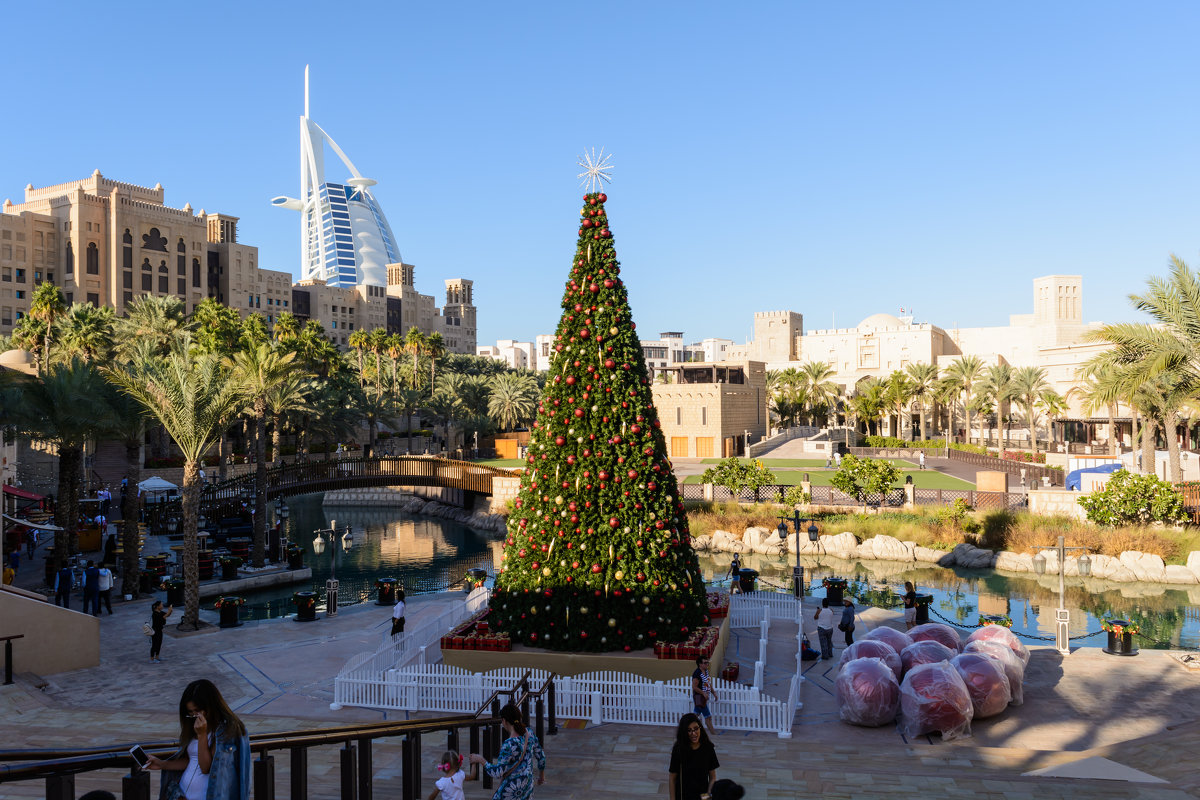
(427,554)
(1168,617)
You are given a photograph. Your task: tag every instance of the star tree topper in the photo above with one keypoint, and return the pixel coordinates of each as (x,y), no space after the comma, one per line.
(596,169)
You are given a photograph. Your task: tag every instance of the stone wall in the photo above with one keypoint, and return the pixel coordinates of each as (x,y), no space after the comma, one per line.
(503,490)
(1056,503)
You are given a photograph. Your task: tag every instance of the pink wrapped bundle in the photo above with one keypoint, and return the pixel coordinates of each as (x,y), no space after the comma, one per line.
(1014,668)
(868,693)
(937,632)
(869,648)
(986,682)
(895,638)
(934,699)
(927,652)
(999,633)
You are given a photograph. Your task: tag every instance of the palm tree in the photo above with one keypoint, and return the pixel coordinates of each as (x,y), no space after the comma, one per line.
(922,377)
(818,389)
(287,327)
(288,396)
(1028,386)
(259,372)
(359,340)
(869,402)
(193,397)
(408,401)
(63,405)
(513,400)
(414,343)
(1095,377)
(215,327)
(85,331)
(435,348)
(129,425)
(997,387)
(46,306)
(253,332)
(963,373)
(898,391)
(1055,405)
(378,345)
(157,319)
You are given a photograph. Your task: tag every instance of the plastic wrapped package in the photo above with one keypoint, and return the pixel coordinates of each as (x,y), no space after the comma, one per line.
(937,632)
(897,639)
(1014,668)
(999,633)
(934,699)
(927,652)
(868,693)
(869,648)
(987,683)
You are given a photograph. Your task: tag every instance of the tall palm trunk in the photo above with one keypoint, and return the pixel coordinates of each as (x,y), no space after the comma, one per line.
(1148,431)
(222,456)
(66,513)
(1171,430)
(191,547)
(129,520)
(1114,444)
(277,439)
(259,554)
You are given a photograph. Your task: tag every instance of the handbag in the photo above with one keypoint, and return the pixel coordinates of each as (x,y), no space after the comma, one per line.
(147,629)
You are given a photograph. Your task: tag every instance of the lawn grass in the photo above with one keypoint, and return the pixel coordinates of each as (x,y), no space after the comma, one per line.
(922,479)
(502,463)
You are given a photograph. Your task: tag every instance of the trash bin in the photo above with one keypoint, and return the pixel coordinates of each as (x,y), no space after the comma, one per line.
(174,589)
(387,591)
(205,562)
(229,606)
(748,580)
(1120,637)
(229,567)
(306,606)
(475,577)
(834,589)
(923,603)
(295,557)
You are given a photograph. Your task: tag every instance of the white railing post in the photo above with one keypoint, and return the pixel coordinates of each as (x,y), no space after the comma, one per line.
(758,675)
(597,707)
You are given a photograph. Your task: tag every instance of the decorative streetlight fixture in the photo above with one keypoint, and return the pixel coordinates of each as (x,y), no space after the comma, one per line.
(1062,616)
(813,535)
(331,585)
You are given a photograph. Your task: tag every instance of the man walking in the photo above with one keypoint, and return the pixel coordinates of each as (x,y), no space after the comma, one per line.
(105,585)
(824,618)
(91,588)
(846,626)
(63,584)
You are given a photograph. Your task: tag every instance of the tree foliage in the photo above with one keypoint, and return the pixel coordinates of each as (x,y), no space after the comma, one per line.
(1129,499)
(862,477)
(736,475)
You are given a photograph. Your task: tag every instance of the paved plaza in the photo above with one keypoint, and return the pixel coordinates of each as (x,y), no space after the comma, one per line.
(1141,713)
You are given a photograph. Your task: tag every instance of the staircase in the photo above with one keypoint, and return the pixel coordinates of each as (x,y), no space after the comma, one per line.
(108,466)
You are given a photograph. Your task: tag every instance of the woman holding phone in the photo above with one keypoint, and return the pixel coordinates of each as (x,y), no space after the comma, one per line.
(213,761)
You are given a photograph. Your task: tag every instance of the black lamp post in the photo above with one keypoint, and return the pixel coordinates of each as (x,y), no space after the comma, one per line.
(813,535)
(331,585)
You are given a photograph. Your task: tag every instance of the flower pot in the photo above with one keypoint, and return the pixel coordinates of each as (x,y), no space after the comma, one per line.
(174,589)
(229,568)
(229,611)
(295,558)
(387,592)
(306,606)
(1120,638)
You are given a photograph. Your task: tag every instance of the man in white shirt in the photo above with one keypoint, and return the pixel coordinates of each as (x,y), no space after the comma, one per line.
(398,613)
(105,585)
(824,618)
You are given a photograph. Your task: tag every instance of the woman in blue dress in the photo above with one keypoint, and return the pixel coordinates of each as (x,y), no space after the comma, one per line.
(515,764)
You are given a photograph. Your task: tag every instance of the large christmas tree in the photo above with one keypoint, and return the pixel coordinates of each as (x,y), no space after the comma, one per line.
(597,555)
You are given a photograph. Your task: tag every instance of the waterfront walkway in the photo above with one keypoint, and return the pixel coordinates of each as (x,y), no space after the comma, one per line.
(1141,713)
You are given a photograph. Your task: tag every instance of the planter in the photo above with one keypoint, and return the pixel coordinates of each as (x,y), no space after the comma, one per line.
(229,611)
(923,603)
(174,589)
(1120,638)
(995,619)
(834,589)
(387,592)
(306,606)
(229,568)
(204,563)
(295,558)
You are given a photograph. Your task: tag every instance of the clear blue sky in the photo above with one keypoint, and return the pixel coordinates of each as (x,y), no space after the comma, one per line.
(833,158)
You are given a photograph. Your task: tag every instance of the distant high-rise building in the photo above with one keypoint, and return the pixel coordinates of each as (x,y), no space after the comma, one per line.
(345,239)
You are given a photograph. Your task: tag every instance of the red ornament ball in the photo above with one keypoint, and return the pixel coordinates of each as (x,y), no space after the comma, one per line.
(595,571)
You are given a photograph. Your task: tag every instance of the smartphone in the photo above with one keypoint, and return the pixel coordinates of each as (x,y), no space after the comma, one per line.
(139,755)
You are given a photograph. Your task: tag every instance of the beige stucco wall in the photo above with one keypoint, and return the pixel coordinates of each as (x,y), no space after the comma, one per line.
(56,639)
(1056,503)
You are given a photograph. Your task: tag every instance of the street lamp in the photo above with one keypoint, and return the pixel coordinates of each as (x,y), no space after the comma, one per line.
(331,585)
(813,535)
(1062,616)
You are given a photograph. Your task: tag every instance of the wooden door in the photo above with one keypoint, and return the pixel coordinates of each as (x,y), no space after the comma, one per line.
(704,447)
(679,447)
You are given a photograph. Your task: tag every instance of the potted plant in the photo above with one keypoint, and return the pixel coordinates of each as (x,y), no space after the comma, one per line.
(387,591)
(174,589)
(228,606)
(306,606)
(995,619)
(295,556)
(1120,637)
(229,567)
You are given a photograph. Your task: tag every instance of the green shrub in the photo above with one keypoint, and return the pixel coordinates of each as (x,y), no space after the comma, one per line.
(860,477)
(1129,499)
(924,444)
(796,496)
(735,475)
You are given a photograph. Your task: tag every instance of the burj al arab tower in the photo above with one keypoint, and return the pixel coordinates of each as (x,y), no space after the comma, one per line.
(345,239)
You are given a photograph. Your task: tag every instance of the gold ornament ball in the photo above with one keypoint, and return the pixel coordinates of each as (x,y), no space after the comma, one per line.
(618,574)
(546,571)
(612,623)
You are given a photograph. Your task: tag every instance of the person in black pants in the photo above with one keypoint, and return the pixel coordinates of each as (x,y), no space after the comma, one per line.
(846,626)
(64,582)
(158,621)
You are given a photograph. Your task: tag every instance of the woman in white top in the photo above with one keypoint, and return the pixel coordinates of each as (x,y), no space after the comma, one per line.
(213,762)
(398,613)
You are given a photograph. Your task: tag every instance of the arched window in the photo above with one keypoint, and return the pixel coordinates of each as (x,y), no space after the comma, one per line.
(127,250)
(154,240)
(146,264)
(162,266)
(93,259)
(70,259)
(127,238)
(181,247)
(196,273)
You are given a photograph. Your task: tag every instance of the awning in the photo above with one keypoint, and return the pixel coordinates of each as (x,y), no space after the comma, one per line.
(41,526)
(14,490)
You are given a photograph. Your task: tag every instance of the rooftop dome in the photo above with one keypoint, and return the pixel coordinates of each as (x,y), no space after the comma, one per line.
(881,321)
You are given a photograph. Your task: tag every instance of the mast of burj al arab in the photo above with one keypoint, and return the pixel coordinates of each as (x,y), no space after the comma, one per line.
(345,239)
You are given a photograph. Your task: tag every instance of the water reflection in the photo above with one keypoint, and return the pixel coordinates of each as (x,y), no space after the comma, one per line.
(1166,615)
(424,554)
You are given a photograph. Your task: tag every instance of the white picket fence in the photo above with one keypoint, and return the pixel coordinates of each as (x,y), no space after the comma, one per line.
(596,696)
(367,668)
